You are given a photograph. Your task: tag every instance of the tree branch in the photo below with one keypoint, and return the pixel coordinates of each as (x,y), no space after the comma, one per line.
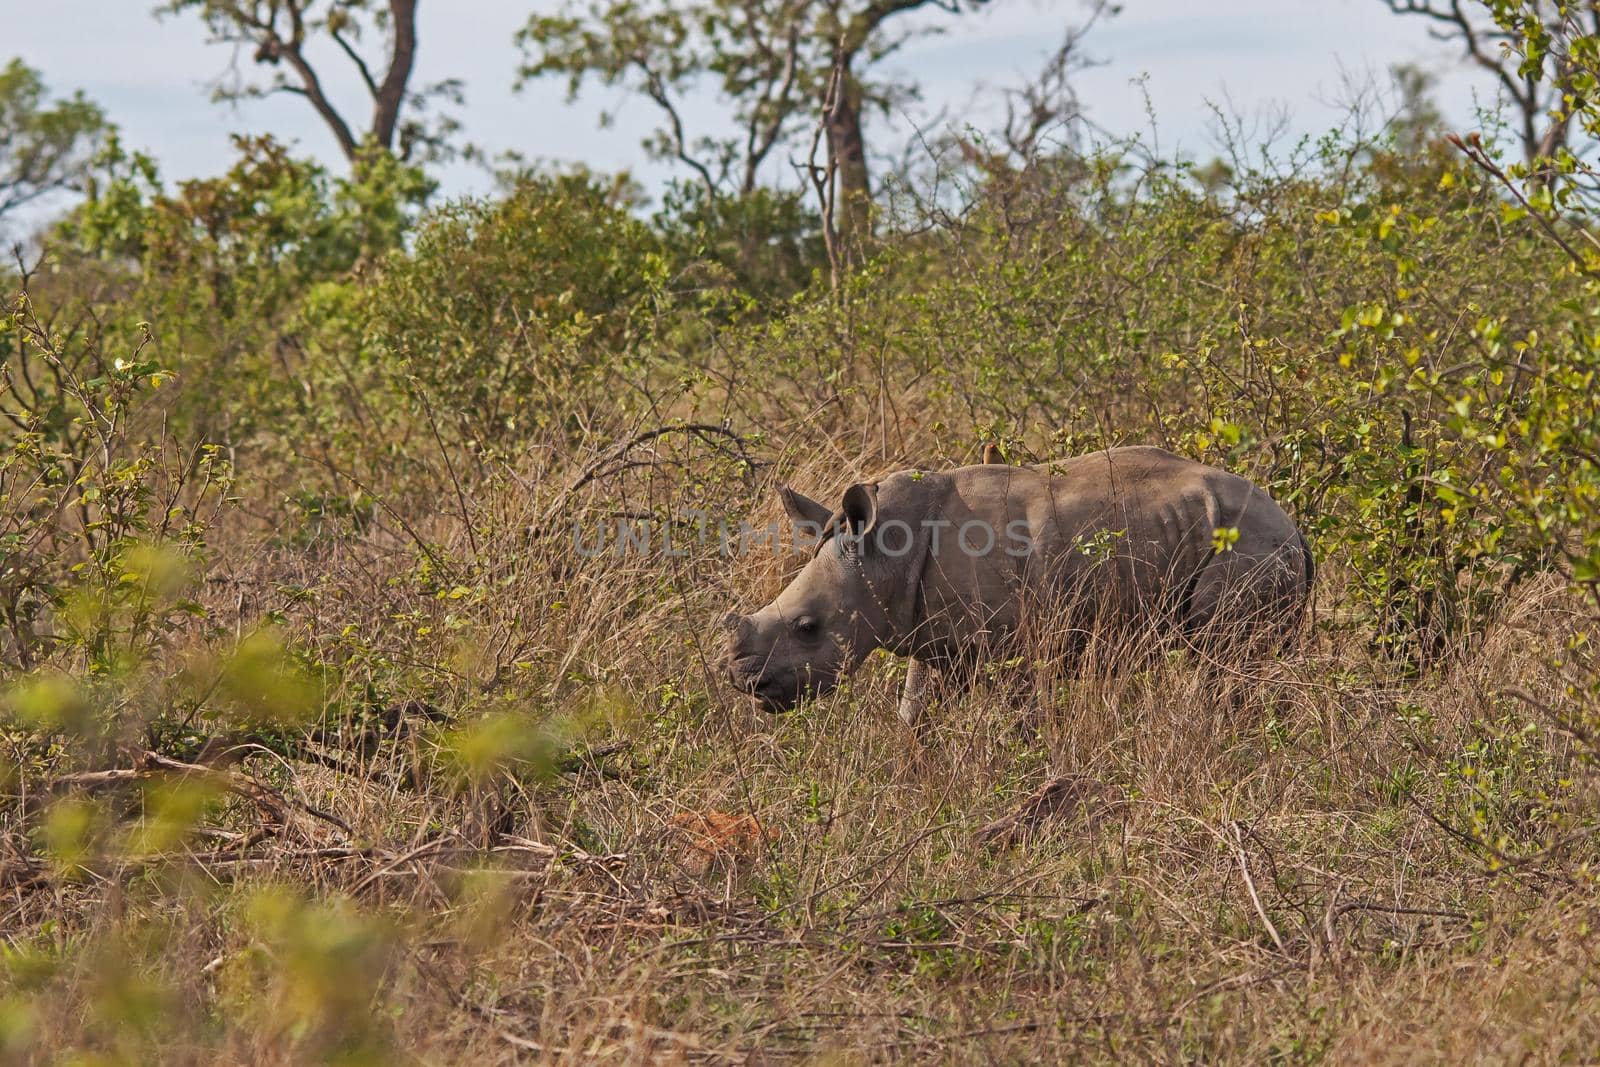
(391,94)
(655,89)
(1523,91)
(273,47)
(360,64)
(761,139)
(319,100)
(279,31)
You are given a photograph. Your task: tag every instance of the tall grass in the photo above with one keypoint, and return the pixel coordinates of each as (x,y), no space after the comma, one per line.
(1270,868)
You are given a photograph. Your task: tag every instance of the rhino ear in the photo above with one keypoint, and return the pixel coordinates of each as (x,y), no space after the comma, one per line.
(859,512)
(801,508)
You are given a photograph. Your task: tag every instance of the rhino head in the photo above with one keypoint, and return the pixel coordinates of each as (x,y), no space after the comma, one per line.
(829,618)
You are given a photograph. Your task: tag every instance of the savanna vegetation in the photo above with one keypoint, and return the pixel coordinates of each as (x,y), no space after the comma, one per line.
(327,735)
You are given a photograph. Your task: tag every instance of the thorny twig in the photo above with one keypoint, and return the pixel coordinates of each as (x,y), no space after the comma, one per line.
(710,433)
(1472,147)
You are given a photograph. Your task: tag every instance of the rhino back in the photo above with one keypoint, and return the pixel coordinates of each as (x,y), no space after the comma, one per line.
(1125,531)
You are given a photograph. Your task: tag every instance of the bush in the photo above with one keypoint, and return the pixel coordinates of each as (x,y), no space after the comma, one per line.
(225,268)
(514,314)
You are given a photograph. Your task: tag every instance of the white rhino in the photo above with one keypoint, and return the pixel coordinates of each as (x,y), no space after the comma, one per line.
(948,567)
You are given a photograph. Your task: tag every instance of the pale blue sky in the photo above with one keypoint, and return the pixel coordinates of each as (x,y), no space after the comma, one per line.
(152,76)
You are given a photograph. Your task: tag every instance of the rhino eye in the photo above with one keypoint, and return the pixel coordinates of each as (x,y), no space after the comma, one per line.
(805,626)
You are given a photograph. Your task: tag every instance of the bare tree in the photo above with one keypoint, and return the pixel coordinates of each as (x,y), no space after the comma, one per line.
(1048,106)
(857,35)
(757,50)
(278,33)
(1035,153)
(777,62)
(1543,103)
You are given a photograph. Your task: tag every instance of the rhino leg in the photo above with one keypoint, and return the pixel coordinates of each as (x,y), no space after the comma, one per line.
(914,698)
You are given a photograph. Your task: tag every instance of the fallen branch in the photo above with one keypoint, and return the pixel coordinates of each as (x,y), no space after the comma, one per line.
(578,759)
(272,804)
(1388,909)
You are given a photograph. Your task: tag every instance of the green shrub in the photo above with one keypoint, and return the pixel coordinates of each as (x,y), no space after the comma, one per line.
(511,314)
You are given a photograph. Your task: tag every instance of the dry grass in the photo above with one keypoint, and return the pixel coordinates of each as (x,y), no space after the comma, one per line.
(1272,869)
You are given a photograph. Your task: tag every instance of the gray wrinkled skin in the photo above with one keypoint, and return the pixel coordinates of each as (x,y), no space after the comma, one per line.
(1121,538)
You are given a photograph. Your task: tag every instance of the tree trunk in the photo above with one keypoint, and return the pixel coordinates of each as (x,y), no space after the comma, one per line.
(391,94)
(848,152)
